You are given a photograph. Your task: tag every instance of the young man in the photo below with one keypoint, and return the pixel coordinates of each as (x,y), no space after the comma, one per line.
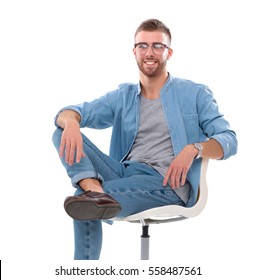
(161,128)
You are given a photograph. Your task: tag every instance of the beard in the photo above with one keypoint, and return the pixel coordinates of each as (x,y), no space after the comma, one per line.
(152,72)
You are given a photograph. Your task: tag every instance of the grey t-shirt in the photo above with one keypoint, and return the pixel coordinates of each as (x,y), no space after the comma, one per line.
(153,144)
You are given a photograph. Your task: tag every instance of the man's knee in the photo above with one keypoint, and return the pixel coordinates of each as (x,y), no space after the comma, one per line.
(56,137)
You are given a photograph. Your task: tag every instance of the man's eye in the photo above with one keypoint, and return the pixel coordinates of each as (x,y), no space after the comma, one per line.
(143,46)
(158,46)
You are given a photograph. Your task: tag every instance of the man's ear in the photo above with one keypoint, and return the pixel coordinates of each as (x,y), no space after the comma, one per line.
(170,52)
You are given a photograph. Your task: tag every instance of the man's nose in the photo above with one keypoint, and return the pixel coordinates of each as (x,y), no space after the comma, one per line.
(149,50)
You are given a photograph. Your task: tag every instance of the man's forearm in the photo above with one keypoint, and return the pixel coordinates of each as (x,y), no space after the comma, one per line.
(212,149)
(66,116)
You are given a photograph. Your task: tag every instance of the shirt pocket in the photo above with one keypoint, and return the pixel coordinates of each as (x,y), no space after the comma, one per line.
(192,128)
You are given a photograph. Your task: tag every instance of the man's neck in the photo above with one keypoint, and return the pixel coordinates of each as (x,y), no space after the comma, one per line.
(151,86)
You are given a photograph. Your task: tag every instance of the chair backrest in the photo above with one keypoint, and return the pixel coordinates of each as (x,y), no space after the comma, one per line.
(172,211)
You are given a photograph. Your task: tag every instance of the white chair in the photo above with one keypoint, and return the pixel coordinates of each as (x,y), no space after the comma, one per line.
(169,213)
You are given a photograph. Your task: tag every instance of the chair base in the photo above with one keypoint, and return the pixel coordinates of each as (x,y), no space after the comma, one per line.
(145,242)
(145,237)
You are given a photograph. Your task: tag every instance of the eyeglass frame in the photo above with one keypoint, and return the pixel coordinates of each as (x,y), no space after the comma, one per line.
(152,46)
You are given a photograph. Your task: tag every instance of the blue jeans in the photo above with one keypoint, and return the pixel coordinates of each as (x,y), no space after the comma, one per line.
(136,186)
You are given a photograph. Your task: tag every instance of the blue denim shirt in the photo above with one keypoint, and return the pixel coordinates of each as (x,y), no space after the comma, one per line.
(190,109)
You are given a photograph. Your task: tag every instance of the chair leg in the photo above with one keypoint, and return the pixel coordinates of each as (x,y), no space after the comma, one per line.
(145,242)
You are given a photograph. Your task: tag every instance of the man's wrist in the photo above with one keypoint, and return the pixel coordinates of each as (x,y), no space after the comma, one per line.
(199,148)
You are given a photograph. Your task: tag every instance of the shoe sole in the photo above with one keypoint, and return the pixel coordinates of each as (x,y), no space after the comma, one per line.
(88,210)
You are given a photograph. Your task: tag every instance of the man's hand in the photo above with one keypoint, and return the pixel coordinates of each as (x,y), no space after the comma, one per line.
(177,172)
(71,145)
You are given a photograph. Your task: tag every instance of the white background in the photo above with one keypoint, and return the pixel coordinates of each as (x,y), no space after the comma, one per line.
(56,53)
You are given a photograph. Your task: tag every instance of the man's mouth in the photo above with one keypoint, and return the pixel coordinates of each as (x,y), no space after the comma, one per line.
(150,62)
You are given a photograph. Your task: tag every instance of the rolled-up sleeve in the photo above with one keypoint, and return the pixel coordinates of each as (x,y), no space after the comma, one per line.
(98,113)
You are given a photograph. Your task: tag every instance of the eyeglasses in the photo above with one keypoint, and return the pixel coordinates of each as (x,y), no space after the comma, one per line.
(157,48)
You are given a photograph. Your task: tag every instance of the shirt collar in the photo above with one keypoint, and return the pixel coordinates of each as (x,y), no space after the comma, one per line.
(168,81)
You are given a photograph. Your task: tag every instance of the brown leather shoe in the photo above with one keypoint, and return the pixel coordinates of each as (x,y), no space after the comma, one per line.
(91,206)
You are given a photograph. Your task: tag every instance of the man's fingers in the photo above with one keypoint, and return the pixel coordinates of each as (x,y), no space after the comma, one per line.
(71,151)
(71,154)
(184,176)
(175,177)
(80,154)
(167,177)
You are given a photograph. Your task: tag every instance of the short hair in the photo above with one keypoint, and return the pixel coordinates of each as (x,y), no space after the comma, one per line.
(154,25)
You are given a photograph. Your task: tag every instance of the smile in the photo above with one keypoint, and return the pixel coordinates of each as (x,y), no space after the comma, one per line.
(150,62)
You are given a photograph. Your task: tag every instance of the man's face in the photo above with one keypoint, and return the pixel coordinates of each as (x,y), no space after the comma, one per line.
(150,62)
